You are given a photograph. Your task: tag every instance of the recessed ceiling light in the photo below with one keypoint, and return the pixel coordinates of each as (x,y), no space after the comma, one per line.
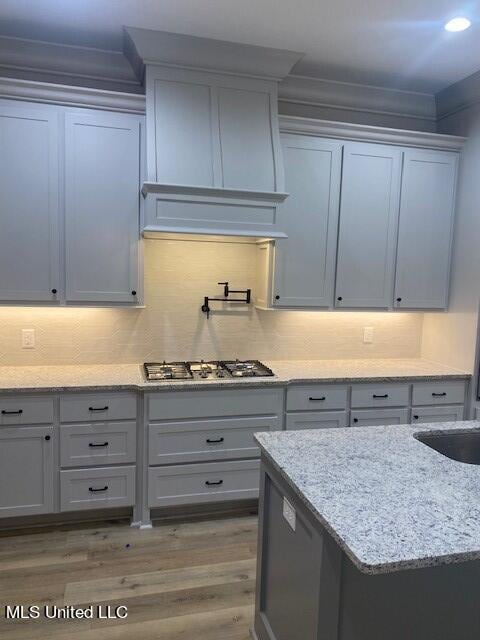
(458,24)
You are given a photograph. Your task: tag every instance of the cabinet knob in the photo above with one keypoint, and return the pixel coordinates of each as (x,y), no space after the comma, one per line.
(54,291)
(277,297)
(399,299)
(355,419)
(339,298)
(134,293)
(47,437)
(415,417)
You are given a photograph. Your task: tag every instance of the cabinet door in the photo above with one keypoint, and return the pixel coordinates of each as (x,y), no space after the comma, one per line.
(425,229)
(368,220)
(29,203)
(102,183)
(305,261)
(26,471)
(372,417)
(437,414)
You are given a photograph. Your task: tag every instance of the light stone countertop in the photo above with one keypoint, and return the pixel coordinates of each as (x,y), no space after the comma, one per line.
(106,377)
(390,501)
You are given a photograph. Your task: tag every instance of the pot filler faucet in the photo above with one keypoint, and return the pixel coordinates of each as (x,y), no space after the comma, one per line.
(226,297)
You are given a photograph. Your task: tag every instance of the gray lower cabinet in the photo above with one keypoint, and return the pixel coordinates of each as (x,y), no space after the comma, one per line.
(98,444)
(316,420)
(297,583)
(29,203)
(304,263)
(102,182)
(205,440)
(372,417)
(98,450)
(200,483)
(425,229)
(97,488)
(437,414)
(371,176)
(314,397)
(26,470)
(439,393)
(380,395)
(200,443)
(309,589)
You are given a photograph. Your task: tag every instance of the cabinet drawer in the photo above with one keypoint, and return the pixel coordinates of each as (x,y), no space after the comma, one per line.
(214,439)
(98,406)
(207,482)
(178,405)
(314,396)
(96,444)
(316,420)
(372,417)
(449,392)
(26,410)
(380,395)
(436,414)
(97,488)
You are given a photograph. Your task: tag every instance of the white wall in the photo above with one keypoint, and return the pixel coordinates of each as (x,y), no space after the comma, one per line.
(451,337)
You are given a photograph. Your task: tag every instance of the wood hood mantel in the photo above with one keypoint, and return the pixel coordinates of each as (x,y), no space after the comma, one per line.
(214,162)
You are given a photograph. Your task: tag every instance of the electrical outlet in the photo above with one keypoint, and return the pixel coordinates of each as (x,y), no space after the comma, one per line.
(368,335)
(28,338)
(289,514)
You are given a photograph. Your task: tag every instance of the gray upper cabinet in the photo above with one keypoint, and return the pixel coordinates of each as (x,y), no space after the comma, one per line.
(102,186)
(29,203)
(304,264)
(26,470)
(425,229)
(367,230)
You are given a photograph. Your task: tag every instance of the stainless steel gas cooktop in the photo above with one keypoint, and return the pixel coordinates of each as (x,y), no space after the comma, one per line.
(210,370)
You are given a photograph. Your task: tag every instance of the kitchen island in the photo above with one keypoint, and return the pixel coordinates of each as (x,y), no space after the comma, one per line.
(367,534)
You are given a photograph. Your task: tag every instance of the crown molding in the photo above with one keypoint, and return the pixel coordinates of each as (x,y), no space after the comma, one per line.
(179,50)
(354,97)
(66,64)
(459,96)
(367,133)
(71,96)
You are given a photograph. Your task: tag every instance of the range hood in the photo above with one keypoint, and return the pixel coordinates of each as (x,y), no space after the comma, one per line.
(214,162)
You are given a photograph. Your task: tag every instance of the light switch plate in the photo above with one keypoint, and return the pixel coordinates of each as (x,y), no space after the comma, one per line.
(289,514)
(28,338)
(368,335)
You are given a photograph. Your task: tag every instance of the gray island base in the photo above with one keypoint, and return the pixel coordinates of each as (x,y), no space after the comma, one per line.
(319,578)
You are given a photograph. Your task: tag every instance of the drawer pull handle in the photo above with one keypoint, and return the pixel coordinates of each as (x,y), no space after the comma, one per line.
(98,444)
(12,413)
(217,441)
(317,399)
(98,408)
(355,419)
(209,483)
(94,490)
(385,395)
(439,395)
(415,417)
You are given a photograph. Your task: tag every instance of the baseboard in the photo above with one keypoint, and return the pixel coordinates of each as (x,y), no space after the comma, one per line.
(86,518)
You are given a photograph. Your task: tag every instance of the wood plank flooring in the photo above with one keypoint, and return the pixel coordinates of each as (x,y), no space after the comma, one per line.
(187,581)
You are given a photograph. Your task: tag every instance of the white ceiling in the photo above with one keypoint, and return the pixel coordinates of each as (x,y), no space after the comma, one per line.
(393,43)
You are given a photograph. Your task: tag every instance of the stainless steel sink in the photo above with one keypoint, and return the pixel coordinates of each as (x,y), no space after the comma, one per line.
(463,447)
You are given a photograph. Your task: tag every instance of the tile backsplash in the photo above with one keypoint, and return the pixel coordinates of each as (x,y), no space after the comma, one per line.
(178,274)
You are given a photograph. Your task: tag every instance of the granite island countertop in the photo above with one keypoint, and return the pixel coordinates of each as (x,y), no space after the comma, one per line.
(58,378)
(390,501)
